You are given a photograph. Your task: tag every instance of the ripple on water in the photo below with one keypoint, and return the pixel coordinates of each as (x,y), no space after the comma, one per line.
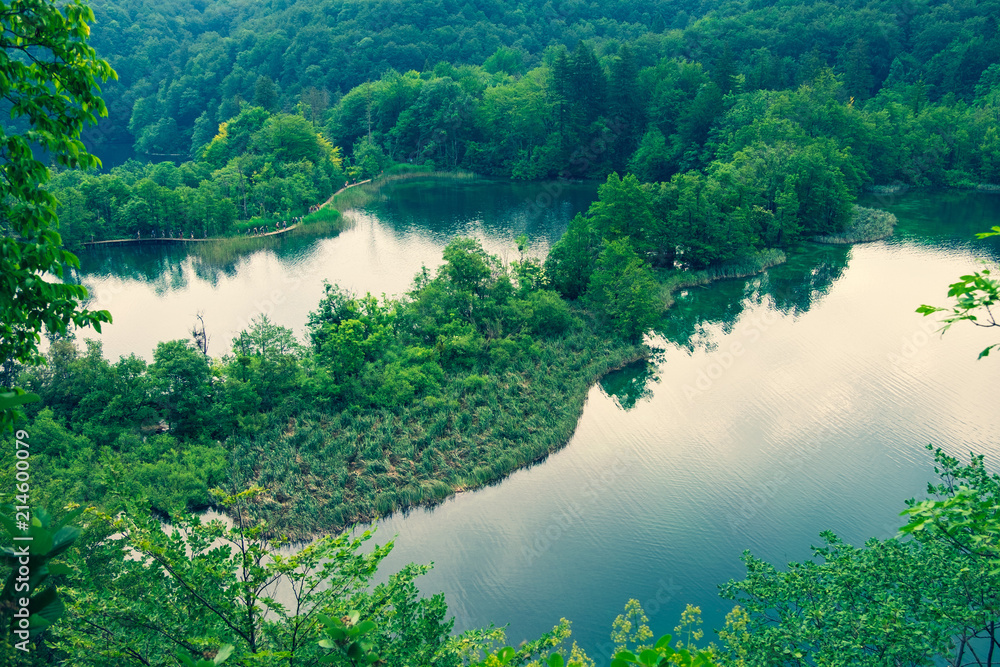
(817,419)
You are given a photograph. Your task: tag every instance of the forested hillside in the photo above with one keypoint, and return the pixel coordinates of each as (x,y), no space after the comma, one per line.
(185,67)
(778,139)
(725,133)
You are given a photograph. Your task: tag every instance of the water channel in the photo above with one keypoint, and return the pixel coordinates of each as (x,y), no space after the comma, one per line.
(777,407)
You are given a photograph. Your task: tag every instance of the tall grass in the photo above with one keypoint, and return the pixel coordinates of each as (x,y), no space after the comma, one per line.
(378,460)
(867,224)
(228,249)
(360,195)
(324,222)
(748,265)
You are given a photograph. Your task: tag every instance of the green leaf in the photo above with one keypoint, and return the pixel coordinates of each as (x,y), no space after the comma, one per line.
(649,657)
(47,606)
(56,569)
(223,654)
(11,399)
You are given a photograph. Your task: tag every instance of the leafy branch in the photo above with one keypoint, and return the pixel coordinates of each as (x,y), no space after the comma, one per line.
(975,295)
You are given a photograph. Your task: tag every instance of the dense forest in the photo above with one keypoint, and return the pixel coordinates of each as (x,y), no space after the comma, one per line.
(757,137)
(186,67)
(724,133)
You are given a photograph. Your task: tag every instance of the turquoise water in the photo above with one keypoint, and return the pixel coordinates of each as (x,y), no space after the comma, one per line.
(777,407)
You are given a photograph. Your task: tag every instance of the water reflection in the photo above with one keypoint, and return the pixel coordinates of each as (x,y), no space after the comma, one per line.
(153,292)
(794,287)
(631,384)
(815,420)
(791,288)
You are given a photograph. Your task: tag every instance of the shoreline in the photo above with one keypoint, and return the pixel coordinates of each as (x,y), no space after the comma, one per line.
(513,455)
(361,520)
(304,224)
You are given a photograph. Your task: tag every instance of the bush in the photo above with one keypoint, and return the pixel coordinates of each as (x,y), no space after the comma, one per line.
(548,314)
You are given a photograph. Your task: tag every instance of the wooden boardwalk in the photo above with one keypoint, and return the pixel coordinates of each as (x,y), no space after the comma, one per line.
(166,240)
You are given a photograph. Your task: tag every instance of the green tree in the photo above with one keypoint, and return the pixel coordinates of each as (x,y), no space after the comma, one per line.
(725,71)
(506,60)
(369,157)
(622,210)
(49,81)
(622,289)
(589,83)
(858,77)
(571,261)
(204,130)
(627,108)
(651,161)
(199,586)
(43,47)
(931,599)
(265,94)
(182,380)
(561,93)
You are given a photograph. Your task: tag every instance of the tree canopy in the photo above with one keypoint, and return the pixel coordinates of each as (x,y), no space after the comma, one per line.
(48,85)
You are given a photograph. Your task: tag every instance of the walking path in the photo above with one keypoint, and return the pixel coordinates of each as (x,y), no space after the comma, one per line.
(171,240)
(333,196)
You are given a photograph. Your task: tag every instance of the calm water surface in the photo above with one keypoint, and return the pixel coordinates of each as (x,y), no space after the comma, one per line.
(778,407)
(155,292)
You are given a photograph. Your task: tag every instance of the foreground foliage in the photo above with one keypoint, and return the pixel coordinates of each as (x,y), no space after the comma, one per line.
(901,602)
(975,295)
(41,46)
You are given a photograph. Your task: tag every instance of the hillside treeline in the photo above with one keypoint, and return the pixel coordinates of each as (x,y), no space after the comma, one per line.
(186,67)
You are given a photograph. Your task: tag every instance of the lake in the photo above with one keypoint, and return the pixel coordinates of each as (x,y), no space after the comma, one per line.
(154,292)
(776,407)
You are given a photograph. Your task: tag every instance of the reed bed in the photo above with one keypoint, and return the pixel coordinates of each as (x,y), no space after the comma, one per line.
(749,265)
(229,249)
(867,224)
(358,464)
